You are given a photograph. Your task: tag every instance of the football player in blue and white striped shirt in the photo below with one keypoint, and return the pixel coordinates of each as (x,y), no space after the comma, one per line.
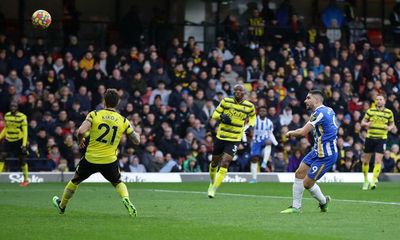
(263,138)
(323,155)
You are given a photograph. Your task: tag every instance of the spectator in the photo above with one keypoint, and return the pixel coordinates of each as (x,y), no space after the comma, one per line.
(15,81)
(190,165)
(199,132)
(229,75)
(171,165)
(223,51)
(334,33)
(357,31)
(279,163)
(135,166)
(83,98)
(162,92)
(256,25)
(388,162)
(294,161)
(332,13)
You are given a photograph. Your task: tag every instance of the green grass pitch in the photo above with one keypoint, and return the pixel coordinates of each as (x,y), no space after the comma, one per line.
(183,211)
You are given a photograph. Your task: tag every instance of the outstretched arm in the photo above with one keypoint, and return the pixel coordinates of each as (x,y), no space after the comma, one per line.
(300,132)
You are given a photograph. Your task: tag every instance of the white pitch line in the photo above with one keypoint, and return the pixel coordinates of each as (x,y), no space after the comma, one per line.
(224,194)
(277,197)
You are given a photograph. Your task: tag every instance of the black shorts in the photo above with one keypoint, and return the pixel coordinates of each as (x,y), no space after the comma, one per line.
(109,171)
(12,147)
(374,145)
(221,146)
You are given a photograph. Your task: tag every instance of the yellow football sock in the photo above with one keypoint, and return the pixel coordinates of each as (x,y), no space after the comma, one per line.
(122,190)
(69,191)
(365,169)
(213,172)
(376,171)
(1,166)
(220,176)
(25,171)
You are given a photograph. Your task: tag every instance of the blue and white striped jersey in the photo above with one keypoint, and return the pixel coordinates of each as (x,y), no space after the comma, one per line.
(325,131)
(263,130)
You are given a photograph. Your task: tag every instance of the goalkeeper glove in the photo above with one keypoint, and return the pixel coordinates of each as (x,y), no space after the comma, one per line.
(225,119)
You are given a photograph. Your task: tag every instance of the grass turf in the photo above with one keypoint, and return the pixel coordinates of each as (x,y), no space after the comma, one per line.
(183,211)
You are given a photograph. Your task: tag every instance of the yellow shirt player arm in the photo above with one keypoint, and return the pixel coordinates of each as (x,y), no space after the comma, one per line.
(24,131)
(219,110)
(132,135)
(365,121)
(391,122)
(252,117)
(86,125)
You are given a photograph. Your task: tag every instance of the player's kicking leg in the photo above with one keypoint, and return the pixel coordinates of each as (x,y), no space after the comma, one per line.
(69,190)
(298,189)
(83,171)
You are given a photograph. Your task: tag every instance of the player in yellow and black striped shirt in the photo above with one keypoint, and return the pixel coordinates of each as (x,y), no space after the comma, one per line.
(232,113)
(106,128)
(379,121)
(16,138)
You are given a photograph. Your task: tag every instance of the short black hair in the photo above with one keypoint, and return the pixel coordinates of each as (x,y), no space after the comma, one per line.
(111,97)
(317,92)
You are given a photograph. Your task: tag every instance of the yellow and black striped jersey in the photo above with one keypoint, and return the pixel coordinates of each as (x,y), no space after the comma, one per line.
(16,127)
(239,112)
(105,135)
(379,121)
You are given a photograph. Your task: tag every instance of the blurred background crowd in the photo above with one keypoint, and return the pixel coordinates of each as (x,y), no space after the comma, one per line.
(169,91)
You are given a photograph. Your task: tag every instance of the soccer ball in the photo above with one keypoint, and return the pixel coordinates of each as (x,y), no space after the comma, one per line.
(41,19)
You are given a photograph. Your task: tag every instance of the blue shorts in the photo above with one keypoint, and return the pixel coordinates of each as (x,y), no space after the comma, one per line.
(256,148)
(319,166)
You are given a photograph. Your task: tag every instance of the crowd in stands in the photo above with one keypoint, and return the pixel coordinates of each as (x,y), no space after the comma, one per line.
(169,96)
